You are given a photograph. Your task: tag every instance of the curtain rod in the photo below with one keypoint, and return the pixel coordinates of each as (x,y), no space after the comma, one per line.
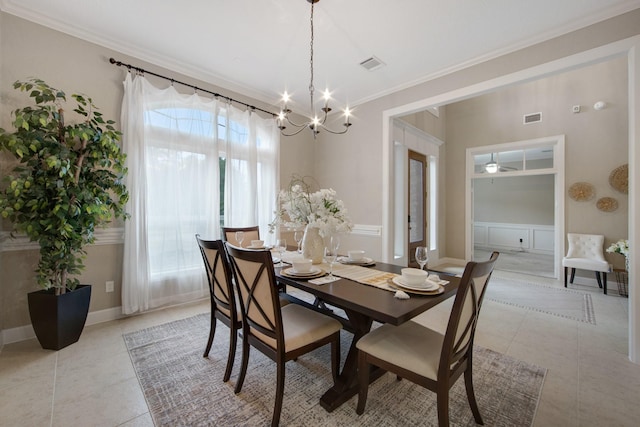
(196,88)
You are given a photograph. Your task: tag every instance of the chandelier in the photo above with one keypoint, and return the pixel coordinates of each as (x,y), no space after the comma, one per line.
(317,122)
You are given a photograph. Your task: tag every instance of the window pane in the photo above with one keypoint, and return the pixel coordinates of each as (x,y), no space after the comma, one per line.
(416,201)
(539,158)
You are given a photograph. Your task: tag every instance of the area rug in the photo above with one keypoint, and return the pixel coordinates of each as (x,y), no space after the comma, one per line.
(184,389)
(561,302)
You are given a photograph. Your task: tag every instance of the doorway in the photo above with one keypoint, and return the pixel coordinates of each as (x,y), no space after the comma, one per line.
(518,217)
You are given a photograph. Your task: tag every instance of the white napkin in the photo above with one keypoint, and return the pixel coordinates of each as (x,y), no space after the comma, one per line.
(323,280)
(401,295)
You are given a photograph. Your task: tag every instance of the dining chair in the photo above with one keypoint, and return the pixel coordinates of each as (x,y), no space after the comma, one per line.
(281,333)
(586,253)
(224,304)
(250,233)
(429,358)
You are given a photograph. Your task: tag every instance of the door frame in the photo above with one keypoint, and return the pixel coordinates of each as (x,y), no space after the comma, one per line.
(558,170)
(630,48)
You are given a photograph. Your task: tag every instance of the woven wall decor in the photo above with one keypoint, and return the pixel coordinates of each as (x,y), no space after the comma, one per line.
(582,191)
(619,179)
(607,204)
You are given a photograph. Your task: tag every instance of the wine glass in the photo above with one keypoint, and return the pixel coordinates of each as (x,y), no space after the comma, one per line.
(280,247)
(422,256)
(239,237)
(331,253)
(297,236)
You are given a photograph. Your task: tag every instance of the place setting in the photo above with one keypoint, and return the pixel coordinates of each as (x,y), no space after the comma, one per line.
(356,257)
(302,268)
(418,281)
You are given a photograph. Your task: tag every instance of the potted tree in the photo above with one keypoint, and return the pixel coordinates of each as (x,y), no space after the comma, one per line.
(66,181)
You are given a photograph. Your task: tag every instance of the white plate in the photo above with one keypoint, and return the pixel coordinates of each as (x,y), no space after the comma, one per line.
(363,260)
(292,272)
(256,247)
(429,286)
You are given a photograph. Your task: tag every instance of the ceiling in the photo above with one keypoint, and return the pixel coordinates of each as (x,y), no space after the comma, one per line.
(261,48)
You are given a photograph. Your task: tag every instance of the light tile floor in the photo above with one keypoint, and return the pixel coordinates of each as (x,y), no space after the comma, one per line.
(590,381)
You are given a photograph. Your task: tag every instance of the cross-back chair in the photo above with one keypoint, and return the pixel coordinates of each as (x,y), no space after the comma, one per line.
(224,305)
(427,357)
(281,333)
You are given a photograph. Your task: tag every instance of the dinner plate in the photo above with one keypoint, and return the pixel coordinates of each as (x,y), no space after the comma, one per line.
(437,291)
(315,272)
(256,247)
(431,287)
(363,261)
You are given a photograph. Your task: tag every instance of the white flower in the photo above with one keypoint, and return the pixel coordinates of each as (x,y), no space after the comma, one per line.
(300,207)
(619,247)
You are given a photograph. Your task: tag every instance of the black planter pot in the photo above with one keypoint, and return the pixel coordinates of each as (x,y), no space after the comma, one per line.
(58,321)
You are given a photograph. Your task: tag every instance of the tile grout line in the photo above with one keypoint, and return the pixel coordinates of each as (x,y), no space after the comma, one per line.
(53,394)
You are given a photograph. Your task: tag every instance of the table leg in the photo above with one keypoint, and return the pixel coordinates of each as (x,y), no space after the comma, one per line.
(347,384)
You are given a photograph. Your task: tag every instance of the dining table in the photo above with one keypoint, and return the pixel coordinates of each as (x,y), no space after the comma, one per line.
(363,304)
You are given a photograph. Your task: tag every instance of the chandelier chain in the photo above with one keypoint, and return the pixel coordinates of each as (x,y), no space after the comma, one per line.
(311,87)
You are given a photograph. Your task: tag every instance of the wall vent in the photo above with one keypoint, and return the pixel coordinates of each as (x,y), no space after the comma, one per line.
(372,63)
(532,118)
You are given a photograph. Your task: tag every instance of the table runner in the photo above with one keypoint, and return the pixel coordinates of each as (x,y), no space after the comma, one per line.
(364,275)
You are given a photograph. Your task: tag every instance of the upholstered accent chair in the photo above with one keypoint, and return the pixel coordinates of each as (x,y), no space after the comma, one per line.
(586,253)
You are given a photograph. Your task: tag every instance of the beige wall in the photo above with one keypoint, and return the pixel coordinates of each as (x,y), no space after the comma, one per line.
(73,65)
(368,125)
(596,142)
(351,164)
(514,200)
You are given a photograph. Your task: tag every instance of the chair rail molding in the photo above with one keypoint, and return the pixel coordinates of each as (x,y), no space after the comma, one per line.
(104,236)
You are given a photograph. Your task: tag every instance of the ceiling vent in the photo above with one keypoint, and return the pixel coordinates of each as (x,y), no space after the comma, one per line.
(372,63)
(532,118)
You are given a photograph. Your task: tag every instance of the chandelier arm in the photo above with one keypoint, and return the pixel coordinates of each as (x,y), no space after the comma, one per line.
(293,133)
(294,124)
(346,128)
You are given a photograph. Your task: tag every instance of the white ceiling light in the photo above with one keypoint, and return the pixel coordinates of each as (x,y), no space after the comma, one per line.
(492,166)
(315,123)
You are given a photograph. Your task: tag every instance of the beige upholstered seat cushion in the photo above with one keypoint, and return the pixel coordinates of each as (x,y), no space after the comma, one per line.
(303,326)
(410,346)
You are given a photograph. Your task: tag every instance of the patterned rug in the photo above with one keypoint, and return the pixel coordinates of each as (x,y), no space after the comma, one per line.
(184,389)
(561,302)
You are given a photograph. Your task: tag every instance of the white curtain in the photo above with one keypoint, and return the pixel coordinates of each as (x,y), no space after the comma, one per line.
(174,145)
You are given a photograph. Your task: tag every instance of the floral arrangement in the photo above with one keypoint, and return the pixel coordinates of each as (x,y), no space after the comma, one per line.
(620,247)
(299,207)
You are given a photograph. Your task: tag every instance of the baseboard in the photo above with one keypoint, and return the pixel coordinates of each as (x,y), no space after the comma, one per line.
(23,333)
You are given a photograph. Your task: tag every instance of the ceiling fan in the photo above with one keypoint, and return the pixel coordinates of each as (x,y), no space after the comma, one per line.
(492,167)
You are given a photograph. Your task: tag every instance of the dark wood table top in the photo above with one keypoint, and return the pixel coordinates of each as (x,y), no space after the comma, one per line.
(378,304)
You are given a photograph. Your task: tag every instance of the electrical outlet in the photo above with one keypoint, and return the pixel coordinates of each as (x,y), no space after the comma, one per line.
(109,286)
